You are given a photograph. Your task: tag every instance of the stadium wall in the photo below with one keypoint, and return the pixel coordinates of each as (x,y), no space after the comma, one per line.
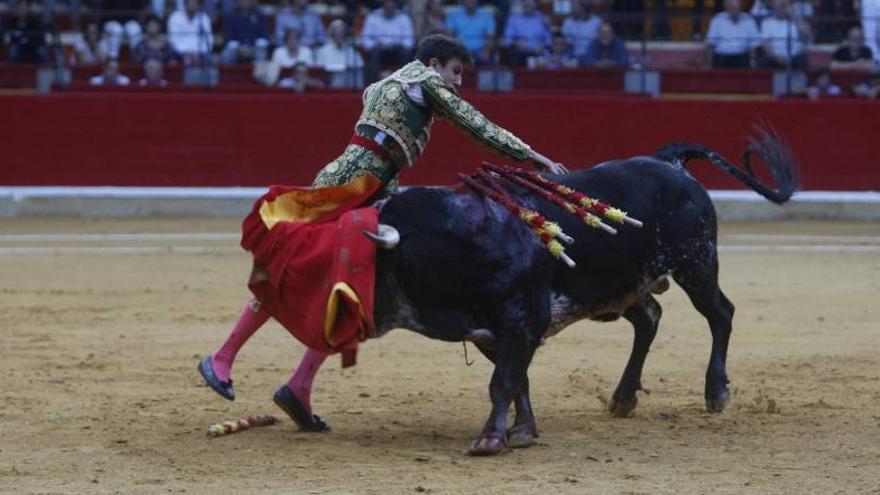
(130,139)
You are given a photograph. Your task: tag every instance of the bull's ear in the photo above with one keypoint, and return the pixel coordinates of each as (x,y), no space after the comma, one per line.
(387,238)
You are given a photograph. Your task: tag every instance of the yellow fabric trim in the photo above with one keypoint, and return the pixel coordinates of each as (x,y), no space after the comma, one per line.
(333,308)
(309,204)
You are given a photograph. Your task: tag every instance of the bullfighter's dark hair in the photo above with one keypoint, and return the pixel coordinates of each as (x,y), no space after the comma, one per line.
(443,48)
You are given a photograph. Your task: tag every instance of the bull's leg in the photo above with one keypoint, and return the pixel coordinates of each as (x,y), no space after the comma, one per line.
(645,317)
(508,379)
(701,286)
(524,430)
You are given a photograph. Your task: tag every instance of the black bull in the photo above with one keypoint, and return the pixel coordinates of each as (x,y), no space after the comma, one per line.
(465,269)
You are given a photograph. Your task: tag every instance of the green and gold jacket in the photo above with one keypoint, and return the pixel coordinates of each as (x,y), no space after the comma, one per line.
(398,112)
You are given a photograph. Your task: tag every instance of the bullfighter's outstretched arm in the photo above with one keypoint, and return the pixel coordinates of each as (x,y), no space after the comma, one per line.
(446,103)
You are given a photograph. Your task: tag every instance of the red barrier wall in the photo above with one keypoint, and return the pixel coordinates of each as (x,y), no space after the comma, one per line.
(251,140)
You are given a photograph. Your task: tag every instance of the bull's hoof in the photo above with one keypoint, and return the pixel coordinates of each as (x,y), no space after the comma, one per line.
(719,403)
(485,445)
(622,408)
(521,436)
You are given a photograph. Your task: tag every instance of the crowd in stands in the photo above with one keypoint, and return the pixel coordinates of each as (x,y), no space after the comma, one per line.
(355,43)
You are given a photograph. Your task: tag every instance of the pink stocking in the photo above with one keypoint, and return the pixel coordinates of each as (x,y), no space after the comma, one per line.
(301,382)
(251,319)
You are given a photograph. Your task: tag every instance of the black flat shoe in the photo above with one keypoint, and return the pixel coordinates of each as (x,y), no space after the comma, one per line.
(287,401)
(223,388)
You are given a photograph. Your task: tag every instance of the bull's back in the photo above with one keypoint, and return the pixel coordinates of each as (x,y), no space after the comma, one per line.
(673,207)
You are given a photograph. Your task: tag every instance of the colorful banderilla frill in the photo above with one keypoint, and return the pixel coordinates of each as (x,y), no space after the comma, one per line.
(544,229)
(227,427)
(588,218)
(614,214)
(487,182)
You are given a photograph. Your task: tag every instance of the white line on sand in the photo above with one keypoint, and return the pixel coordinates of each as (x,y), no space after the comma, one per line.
(105,250)
(108,250)
(799,248)
(194,236)
(843,239)
(231,236)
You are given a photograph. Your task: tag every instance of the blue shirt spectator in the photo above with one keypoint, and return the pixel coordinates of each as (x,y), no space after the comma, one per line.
(606,51)
(581,28)
(246,32)
(246,24)
(471,25)
(300,17)
(527,32)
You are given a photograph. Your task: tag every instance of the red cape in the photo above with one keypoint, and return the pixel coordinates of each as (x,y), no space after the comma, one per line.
(321,267)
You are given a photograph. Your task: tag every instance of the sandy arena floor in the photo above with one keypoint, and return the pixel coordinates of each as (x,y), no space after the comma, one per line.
(100,394)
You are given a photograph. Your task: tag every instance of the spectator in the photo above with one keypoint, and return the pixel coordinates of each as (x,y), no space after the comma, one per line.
(822,86)
(300,81)
(434,20)
(90,48)
(110,76)
(802,9)
(246,32)
(388,39)
(870,89)
(581,28)
(417,10)
(153,69)
(284,58)
(526,34)
(854,54)
(27,36)
(208,6)
(301,17)
(73,8)
(607,51)
(760,11)
(475,27)
(339,58)
(558,57)
(154,45)
(123,23)
(189,31)
(291,53)
(784,38)
(732,38)
(871,25)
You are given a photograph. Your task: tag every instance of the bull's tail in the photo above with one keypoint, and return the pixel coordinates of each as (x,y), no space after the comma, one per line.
(770,148)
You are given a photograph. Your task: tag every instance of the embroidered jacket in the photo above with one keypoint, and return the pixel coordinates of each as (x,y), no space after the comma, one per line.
(398,112)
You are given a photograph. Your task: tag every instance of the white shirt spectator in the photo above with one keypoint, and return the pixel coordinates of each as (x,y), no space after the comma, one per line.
(727,37)
(334,58)
(190,35)
(779,33)
(286,60)
(380,30)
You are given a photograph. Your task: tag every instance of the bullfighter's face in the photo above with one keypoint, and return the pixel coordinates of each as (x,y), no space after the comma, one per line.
(451,71)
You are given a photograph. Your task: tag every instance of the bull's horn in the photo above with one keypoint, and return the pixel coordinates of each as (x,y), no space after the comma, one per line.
(387,238)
